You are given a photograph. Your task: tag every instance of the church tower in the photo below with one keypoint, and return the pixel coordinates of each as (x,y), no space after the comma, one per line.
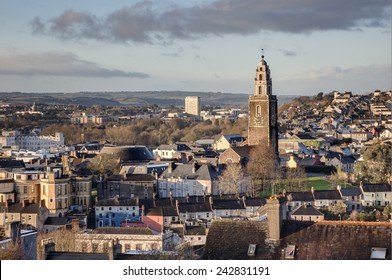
(263,119)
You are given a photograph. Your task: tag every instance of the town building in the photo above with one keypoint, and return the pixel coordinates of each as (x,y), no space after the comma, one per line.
(192,105)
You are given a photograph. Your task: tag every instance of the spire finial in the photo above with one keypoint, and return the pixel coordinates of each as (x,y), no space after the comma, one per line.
(262,53)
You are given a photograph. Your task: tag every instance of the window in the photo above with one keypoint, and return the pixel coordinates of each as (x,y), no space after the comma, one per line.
(29,217)
(25,189)
(60,206)
(132,188)
(32,189)
(65,189)
(59,190)
(127,247)
(138,247)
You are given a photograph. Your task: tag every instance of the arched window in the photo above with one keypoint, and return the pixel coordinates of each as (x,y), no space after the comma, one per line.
(258,110)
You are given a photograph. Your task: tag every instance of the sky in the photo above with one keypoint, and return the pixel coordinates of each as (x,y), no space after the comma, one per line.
(213,45)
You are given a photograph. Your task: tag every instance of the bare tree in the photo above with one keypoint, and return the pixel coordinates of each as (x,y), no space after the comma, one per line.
(232,179)
(264,169)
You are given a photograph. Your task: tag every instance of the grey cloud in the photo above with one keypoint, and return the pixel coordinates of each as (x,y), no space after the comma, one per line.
(142,23)
(57,64)
(174,54)
(288,52)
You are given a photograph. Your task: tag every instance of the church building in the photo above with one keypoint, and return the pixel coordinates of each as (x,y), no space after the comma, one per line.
(263,110)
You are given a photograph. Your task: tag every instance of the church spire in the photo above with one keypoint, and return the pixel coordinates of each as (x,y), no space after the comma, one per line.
(263,81)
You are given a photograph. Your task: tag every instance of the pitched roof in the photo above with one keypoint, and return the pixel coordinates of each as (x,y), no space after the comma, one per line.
(350,191)
(123,230)
(118,202)
(175,147)
(194,207)
(202,172)
(385,187)
(76,256)
(32,208)
(306,210)
(300,196)
(327,194)
(223,204)
(233,138)
(323,240)
(11,163)
(57,221)
(255,201)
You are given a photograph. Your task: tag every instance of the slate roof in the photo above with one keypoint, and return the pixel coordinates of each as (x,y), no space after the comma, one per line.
(376,187)
(350,191)
(56,221)
(32,208)
(123,230)
(132,178)
(76,256)
(175,147)
(118,202)
(300,196)
(242,151)
(327,194)
(194,207)
(169,211)
(203,172)
(306,210)
(255,201)
(231,138)
(324,240)
(229,239)
(227,204)
(10,163)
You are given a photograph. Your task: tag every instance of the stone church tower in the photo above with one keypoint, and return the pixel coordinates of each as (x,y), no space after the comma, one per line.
(263,110)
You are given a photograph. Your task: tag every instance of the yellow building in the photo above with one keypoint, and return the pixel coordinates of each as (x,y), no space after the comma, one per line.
(56,191)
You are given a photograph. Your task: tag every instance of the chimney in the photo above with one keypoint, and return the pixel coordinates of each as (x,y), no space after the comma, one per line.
(25,202)
(244,200)
(143,211)
(194,167)
(177,206)
(210,200)
(47,246)
(114,249)
(275,217)
(171,198)
(75,225)
(42,203)
(170,167)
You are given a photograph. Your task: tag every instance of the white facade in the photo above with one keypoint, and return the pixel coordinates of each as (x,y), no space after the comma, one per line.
(192,105)
(179,187)
(32,142)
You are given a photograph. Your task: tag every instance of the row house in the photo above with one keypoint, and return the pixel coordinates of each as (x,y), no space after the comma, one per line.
(130,185)
(189,179)
(7,190)
(117,212)
(376,194)
(55,190)
(352,197)
(27,185)
(30,215)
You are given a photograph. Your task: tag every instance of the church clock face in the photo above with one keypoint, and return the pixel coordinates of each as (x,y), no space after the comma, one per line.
(258,120)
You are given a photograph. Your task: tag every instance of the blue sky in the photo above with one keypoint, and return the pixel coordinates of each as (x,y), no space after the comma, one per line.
(215,45)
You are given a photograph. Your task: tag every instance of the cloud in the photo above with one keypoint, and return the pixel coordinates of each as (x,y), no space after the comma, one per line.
(57,64)
(359,79)
(174,54)
(143,22)
(288,53)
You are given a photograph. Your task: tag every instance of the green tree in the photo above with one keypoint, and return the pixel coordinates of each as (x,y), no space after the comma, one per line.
(104,165)
(376,164)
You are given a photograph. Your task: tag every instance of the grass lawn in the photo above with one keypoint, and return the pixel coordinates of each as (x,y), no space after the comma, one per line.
(318,183)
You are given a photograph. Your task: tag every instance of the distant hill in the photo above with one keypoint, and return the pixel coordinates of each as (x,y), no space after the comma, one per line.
(133,98)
